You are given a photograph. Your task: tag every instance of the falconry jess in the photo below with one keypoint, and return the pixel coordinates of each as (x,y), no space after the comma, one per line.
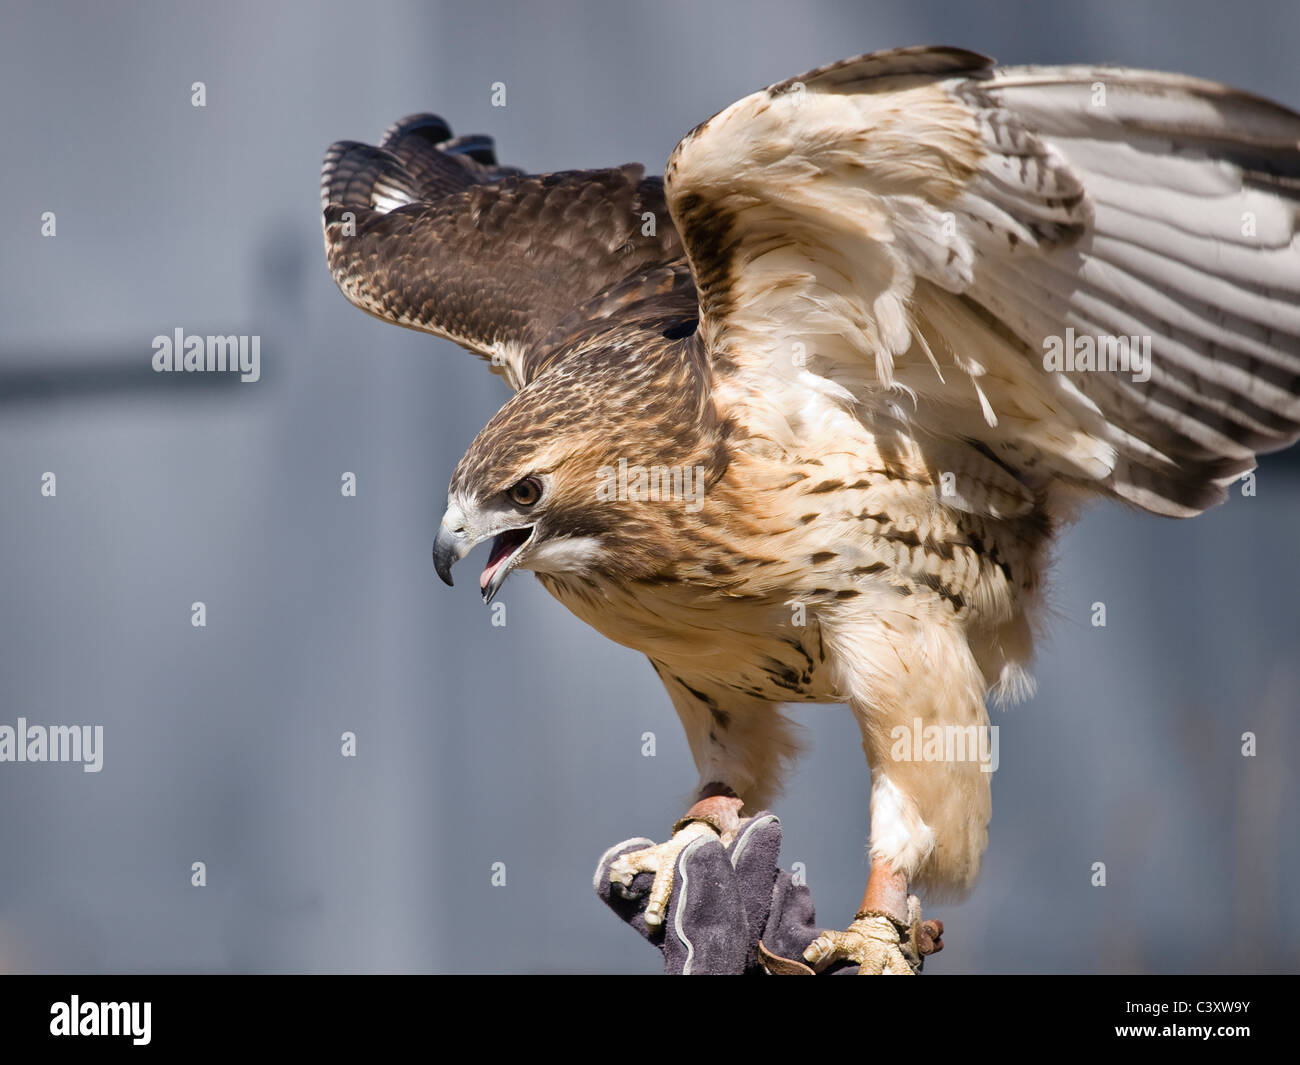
(53,743)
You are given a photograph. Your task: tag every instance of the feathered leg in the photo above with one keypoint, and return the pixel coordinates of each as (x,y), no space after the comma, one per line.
(918,695)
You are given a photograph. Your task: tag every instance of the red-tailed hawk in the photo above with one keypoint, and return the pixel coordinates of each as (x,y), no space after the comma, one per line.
(799,421)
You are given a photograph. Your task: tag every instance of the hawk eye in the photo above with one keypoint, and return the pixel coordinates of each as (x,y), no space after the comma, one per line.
(526,492)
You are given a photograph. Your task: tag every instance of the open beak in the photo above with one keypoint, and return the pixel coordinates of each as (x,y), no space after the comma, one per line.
(506,549)
(452,545)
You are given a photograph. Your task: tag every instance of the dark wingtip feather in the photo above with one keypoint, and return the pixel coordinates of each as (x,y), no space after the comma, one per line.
(361,175)
(429,127)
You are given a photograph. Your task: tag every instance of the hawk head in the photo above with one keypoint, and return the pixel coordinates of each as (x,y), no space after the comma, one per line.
(585,477)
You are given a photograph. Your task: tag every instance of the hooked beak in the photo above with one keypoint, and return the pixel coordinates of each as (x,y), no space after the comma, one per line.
(448,549)
(454,544)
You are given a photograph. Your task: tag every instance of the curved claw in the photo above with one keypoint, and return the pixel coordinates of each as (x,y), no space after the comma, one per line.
(872,942)
(879,943)
(660,859)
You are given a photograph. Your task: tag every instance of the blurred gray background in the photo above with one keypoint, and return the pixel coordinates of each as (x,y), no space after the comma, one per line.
(519,744)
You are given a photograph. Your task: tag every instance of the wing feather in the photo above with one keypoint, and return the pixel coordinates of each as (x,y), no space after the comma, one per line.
(428,232)
(928,225)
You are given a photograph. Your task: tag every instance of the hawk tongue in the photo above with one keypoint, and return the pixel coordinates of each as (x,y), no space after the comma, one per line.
(503,547)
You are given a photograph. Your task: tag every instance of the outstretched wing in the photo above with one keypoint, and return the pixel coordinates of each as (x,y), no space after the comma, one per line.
(933,239)
(426,231)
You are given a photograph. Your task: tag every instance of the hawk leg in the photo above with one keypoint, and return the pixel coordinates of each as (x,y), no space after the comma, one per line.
(887,936)
(717,812)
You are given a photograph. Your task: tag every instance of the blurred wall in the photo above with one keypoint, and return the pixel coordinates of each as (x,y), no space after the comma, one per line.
(519,744)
